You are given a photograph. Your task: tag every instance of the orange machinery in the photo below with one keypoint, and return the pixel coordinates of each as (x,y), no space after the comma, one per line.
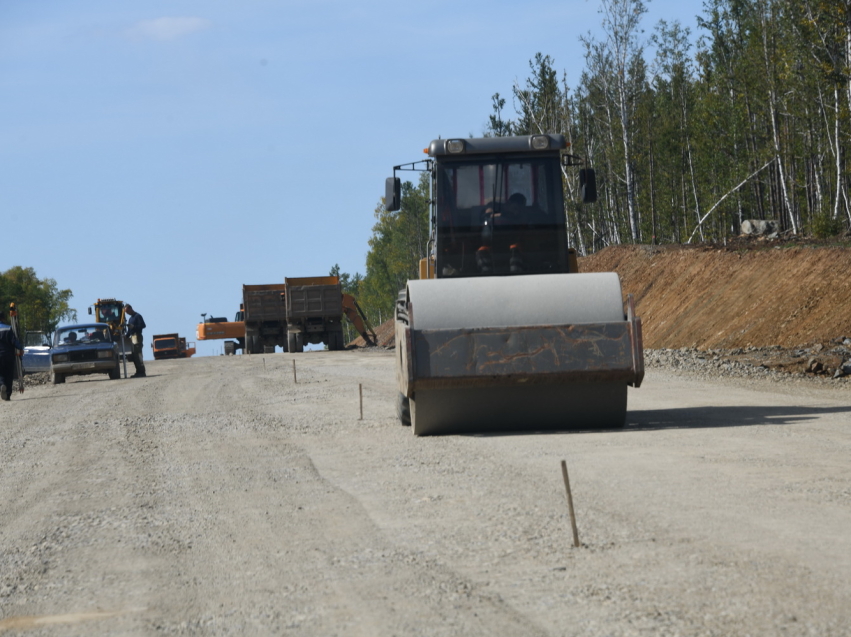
(221,328)
(171,346)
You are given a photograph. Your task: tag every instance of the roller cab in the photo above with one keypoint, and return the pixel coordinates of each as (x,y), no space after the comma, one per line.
(501,331)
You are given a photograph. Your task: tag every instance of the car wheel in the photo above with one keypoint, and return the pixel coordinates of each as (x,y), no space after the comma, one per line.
(57,379)
(115,372)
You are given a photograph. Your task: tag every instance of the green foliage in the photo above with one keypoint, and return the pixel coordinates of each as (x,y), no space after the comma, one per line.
(41,304)
(752,123)
(351,284)
(399,240)
(825,226)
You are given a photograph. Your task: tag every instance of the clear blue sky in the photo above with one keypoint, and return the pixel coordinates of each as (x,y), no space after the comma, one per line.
(166,152)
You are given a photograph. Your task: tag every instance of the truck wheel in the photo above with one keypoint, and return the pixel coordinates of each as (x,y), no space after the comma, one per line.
(57,379)
(252,343)
(299,343)
(295,342)
(403,410)
(115,372)
(335,341)
(230,348)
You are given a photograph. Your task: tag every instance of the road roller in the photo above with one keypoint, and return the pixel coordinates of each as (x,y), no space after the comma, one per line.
(501,332)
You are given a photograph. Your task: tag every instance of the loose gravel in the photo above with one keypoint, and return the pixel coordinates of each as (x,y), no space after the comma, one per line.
(217,496)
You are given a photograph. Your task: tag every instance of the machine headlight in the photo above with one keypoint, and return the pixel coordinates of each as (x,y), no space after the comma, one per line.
(105,353)
(540,142)
(60,358)
(455,146)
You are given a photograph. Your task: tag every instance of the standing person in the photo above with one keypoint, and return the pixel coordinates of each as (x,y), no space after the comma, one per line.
(9,347)
(135,325)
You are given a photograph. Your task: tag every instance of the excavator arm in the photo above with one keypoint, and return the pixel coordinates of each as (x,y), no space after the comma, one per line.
(358,319)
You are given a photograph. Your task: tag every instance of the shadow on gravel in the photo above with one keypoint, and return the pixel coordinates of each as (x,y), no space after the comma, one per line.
(702,417)
(688,418)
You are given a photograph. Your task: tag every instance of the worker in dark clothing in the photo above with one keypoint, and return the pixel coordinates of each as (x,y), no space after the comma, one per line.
(135,325)
(10,347)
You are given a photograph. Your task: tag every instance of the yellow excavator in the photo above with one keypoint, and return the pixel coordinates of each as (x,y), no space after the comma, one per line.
(502,332)
(111,312)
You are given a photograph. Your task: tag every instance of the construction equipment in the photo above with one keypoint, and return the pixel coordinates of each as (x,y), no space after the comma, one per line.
(357,317)
(111,312)
(171,346)
(502,332)
(315,307)
(265,317)
(218,328)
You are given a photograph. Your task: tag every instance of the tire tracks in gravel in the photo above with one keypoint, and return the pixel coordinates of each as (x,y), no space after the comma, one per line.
(219,497)
(228,490)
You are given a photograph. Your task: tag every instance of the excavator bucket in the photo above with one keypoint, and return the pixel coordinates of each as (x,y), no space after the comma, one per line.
(552,351)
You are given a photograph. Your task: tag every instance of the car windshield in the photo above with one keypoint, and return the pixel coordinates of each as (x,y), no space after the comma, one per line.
(164,343)
(500,217)
(82,335)
(37,339)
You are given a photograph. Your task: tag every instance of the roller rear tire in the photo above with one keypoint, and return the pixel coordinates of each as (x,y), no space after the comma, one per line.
(403,410)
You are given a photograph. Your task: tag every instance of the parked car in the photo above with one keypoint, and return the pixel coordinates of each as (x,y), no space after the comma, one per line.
(84,349)
(36,353)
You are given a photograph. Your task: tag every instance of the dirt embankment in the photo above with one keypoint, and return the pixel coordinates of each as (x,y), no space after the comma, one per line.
(751,295)
(710,297)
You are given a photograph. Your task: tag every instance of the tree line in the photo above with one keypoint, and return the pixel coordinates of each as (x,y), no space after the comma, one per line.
(690,135)
(40,303)
(751,121)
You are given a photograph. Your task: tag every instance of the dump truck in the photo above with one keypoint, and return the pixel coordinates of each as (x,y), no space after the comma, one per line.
(501,331)
(171,346)
(315,307)
(215,328)
(265,317)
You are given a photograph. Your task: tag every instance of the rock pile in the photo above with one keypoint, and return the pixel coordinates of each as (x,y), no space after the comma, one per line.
(831,363)
(32,380)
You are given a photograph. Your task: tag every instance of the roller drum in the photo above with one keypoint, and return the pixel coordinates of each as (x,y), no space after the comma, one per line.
(540,299)
(547,381)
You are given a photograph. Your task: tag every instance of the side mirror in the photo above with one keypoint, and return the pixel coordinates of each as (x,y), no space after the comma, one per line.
(392,194)
(90,309)
(588,185)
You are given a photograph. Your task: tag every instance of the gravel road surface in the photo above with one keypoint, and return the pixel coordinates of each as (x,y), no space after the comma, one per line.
(218,497)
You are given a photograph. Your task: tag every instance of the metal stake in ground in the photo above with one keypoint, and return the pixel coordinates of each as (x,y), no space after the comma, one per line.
(360,393)
(570,503)
(295,378)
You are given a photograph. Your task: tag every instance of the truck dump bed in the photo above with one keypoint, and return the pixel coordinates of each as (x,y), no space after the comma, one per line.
(263,302)
(313,297)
